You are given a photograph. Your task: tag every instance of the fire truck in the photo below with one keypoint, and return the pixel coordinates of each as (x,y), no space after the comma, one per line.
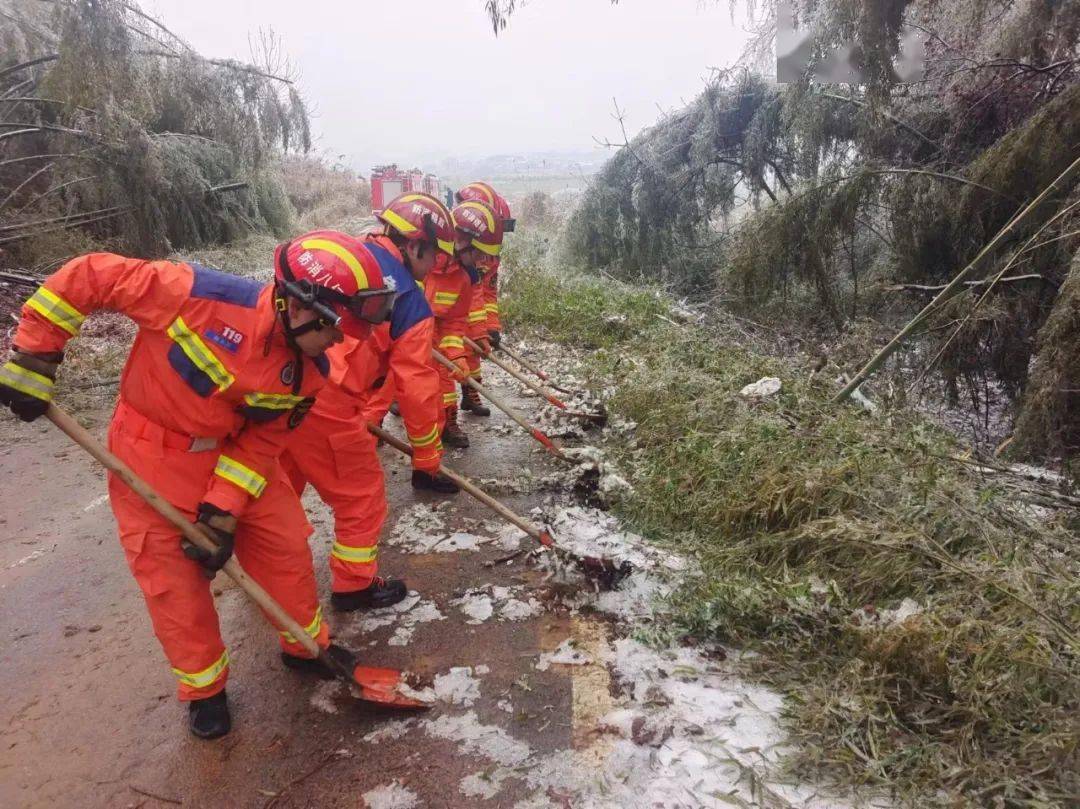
(389,181)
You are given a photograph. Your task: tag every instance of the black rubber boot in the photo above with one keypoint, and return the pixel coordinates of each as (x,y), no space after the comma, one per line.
(380,593)
(308,665)
(471,402)
(209,718)
(440,484)
(452,434)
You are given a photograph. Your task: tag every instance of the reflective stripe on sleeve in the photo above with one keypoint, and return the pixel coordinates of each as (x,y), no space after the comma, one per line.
(26,381)
(312,630)
(452,342)
(426,440)
(477,315)
(206,677)
(56,310)
(199,353)
(235,472)
(446,298)
(491,308)
(273,401)
(358,555)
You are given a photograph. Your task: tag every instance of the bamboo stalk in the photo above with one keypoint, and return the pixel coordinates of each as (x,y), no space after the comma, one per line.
(956,284)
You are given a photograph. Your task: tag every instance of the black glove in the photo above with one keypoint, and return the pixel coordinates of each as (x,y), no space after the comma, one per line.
(212,561)
(435,483)
(496,338)
(26,384)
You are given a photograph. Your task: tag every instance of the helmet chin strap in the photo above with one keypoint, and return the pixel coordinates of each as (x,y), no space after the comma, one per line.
(281,304)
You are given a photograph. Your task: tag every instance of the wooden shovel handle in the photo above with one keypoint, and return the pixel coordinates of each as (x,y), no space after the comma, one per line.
(520,377)
(521,421)
(540,536)
(192,532)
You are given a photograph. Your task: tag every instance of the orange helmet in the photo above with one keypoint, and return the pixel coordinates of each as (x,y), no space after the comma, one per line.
(480,225)
(336,276)
(483,192)
(420,216)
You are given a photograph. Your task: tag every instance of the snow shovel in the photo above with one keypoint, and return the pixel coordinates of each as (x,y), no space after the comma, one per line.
(528,366)
(377,685)
(599,419)
(549,445)
(606,572)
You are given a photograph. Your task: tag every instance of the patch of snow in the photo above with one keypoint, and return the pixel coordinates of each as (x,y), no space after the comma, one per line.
(567,655)
(484,785)
(405,616)
(763,388)
(458,686)
(391,730)
(323,697)
(473,738)
(476,605)
(391,796)
(515,610)
(481,603)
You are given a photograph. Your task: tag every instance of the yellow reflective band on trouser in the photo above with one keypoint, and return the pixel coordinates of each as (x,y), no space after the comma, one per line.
(235,472)
(452,342)
(426,440)
(199,353)
(56,310)
(476,374)
(358,555)
(477,315)
(206,677)
(449,398)
(447,298)
(313,629)
(273,401)
(492,308)
(343,253)
(26,381)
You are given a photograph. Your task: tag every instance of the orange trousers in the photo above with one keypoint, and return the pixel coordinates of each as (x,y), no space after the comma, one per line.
(271,545)
(338,457)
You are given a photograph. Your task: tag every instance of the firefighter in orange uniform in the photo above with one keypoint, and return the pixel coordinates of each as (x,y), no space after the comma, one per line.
(484,325)
(222,369)
(450,292)
(333,449)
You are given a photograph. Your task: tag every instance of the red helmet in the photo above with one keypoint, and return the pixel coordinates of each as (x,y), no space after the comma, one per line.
(336,276)
(482,192)
(420,216)
(479,223)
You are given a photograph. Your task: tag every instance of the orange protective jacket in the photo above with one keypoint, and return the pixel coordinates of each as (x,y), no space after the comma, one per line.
(399,350)
(478,318)
(449,291)
(209,360)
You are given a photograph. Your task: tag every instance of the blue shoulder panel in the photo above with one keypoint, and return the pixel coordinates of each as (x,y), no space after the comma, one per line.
(322,363)
(218,286)
(410,306)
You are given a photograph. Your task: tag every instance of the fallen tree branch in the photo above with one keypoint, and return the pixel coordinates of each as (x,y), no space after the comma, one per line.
(1015,279)
(7,71)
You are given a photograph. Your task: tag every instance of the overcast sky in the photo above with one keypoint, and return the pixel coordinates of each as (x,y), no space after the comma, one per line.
(408,80)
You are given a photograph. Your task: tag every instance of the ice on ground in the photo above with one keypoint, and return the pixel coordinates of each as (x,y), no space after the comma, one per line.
(324,695)
(592,532)
(477,606)
(688,732)
(763,388)
(482,603)
(610,483)
(869,617)
(391,730)
(493,743)
(391,796)
(422,529)
(405,617)
(567,654)
(458,686)
(484,785)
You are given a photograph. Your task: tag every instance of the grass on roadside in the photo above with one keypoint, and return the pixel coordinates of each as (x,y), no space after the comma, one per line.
(813,524)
